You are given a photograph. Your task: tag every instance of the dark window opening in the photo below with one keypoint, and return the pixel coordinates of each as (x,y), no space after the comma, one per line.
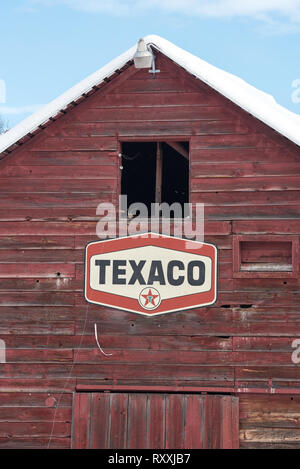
(155,172)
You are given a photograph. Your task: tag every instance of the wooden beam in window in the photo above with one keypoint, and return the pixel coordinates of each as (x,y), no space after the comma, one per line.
(158,184)
(179,148)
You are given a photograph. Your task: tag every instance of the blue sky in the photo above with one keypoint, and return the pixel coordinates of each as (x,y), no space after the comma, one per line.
(47,46)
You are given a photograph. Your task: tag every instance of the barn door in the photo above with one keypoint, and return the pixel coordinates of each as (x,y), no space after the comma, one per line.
(155,421)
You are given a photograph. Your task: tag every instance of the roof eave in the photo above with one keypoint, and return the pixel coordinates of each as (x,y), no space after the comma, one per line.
(257,103)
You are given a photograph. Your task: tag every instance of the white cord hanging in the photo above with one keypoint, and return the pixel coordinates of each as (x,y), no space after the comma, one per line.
(97,341)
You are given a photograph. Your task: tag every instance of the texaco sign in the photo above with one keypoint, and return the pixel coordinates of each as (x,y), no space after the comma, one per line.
(150,274)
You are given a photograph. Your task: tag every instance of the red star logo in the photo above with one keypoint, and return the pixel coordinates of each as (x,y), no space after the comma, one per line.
(150,298)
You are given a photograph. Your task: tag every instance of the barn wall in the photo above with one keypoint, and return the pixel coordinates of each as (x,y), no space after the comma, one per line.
(248,177)
(269,422)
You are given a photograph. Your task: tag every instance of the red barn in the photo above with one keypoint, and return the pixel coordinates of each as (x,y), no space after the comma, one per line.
(221,376)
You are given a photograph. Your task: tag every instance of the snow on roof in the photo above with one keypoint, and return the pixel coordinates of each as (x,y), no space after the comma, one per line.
(261,105)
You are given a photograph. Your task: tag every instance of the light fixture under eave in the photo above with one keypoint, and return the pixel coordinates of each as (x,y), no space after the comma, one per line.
(143,57)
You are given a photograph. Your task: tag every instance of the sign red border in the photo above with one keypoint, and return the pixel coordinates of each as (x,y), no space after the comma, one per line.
(151,239)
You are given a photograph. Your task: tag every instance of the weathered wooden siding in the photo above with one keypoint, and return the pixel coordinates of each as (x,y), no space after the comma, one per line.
(249,179)
(269,422)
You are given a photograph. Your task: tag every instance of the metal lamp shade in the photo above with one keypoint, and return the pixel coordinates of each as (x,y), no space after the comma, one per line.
(143,57)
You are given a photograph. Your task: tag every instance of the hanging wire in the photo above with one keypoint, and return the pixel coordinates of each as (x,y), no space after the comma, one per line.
(97,341)
(68,378)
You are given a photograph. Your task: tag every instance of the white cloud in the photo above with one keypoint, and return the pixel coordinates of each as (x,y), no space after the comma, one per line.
(116,7)
(283,15)
(214,8)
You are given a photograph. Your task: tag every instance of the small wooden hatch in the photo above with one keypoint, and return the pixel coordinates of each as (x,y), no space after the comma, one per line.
(125,420)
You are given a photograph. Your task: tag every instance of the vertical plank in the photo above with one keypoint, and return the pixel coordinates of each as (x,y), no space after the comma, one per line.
(208,422)
(118,421)
(194,422)
(235,419)
(156,428)
(81,422)
(100,420)
(205,423)
(216,421)
(137,421)
(230,423)
(75,422)
(174,421)
(226,435)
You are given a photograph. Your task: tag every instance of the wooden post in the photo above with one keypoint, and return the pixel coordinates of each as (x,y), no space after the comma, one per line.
(158,185)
